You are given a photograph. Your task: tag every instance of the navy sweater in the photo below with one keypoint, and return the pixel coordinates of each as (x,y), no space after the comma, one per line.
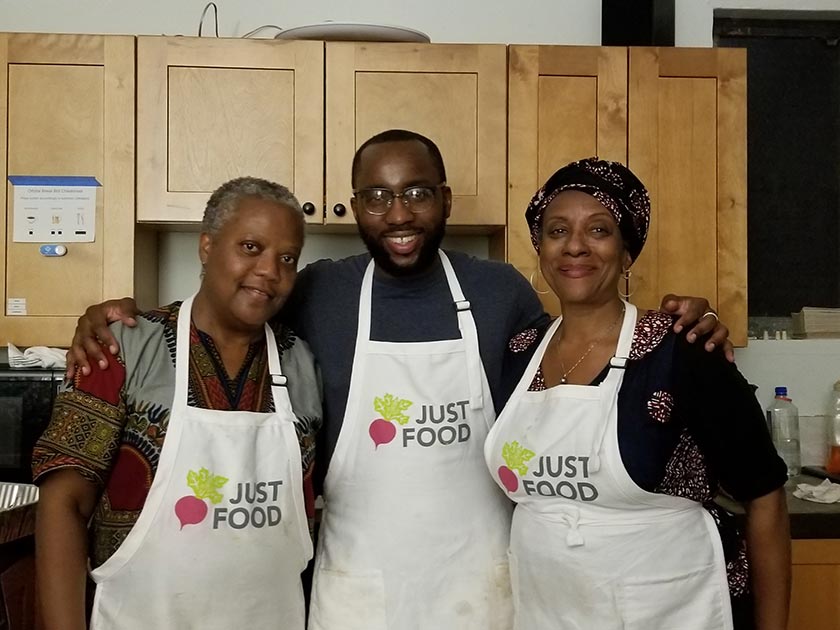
(323,310)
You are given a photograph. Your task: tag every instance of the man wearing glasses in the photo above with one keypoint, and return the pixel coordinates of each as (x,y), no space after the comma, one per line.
(411,343)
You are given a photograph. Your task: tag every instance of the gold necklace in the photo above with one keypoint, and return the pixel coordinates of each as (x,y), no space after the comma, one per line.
(594,343)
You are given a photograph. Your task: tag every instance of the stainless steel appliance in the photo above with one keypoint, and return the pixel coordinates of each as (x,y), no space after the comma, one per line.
(26,398)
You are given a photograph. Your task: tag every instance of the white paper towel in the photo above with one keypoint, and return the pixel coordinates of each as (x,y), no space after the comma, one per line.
(37,357)
(826,492)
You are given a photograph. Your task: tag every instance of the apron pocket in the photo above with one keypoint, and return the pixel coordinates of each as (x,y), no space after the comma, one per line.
(345,601)
(691,601)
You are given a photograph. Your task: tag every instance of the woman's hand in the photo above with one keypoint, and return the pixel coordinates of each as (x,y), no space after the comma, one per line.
(92,333)
(698,311)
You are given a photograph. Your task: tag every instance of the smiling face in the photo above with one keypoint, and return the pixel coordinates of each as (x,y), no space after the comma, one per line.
(582,254)
(250,263)
(401,242)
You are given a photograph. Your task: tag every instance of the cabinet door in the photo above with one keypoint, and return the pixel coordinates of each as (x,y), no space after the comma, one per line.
(454,94)
(566,103)
(67,107)
(815,592)
(687,143)
(210,110)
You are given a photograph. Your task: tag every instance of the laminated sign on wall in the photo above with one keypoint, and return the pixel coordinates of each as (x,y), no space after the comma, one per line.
(54,209)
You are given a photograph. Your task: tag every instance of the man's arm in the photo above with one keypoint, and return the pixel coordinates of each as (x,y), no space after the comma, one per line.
(698,311)
(92,333)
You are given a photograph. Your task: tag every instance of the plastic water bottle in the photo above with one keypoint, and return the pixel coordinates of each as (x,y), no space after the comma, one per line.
(832,462)
(783,419)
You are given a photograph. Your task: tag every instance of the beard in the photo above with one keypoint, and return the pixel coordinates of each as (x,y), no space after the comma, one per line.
(426,257)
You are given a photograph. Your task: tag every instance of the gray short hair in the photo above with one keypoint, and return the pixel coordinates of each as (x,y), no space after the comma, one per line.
(225,200)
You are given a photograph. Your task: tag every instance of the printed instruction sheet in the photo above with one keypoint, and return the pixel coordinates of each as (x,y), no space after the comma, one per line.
(54,209)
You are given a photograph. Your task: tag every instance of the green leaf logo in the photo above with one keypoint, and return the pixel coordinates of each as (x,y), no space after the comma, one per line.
(206,485)
(391,408)
(516,456)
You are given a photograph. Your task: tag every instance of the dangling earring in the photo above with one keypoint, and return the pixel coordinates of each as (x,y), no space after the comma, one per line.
(533,286)
(627,274)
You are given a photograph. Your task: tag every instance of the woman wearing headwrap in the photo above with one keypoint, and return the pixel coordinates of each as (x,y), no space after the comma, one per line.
(619,435)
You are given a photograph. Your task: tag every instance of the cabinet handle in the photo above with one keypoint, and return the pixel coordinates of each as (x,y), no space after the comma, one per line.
(339,209)
(308,208)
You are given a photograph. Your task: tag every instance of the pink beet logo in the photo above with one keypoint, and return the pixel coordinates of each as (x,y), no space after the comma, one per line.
(515,457)
(382,430)
(192,509)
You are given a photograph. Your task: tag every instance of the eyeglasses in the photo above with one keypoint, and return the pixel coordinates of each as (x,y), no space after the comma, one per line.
(417,199)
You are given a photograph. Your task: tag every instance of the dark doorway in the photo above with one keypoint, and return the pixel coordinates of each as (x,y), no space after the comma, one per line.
(793,91)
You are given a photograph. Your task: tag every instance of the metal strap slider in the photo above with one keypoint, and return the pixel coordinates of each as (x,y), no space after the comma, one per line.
(618,362)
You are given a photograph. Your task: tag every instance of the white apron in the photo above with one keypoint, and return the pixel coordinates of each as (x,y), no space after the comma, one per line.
(414,535)
(589,548)
(222,538)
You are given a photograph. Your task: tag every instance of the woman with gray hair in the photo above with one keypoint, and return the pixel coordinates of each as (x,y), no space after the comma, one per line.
(179,473)
(618,437)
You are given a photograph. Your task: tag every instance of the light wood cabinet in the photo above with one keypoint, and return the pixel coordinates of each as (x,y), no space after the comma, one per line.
(505,118)
(815,594)
(210,110)
(688,144)
(677,117)
(67,107)
(566,103)
(454,94)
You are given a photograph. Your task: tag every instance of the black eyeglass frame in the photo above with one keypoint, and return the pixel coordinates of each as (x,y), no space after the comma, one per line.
(394,195)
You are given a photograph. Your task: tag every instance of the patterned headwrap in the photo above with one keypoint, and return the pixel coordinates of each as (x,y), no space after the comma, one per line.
(611,183)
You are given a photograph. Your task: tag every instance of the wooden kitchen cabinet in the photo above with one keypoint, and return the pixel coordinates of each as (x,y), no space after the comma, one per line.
(454,94)
(210,110)
(815,593)
(687,142)
(566,103)
(67,106)
(677,116)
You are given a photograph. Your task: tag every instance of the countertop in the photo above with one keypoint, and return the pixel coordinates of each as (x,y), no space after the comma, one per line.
(807,519)
(17,523)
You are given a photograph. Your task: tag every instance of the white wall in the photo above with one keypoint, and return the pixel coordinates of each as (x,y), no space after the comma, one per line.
(807,368)
(499,21)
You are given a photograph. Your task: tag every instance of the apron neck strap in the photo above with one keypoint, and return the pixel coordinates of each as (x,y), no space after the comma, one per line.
(612,383)
(466,324)
(469,333)
(182,358)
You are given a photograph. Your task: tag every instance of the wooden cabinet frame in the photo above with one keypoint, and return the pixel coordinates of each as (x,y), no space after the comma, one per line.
(652,71)
(815,594)
(347,63)
(159,56)
(592,83)
(115,200)
(636,106)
